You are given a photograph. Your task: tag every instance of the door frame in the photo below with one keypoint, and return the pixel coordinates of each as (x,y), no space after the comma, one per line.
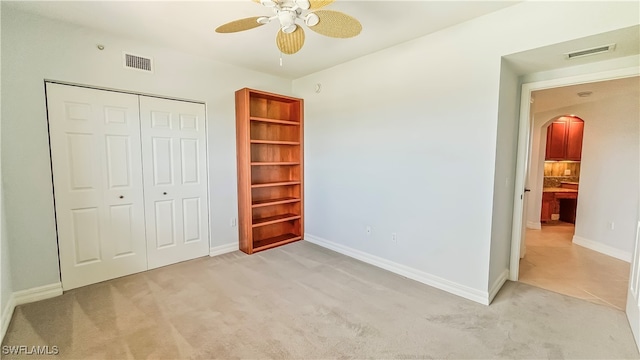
(138,93)
(524,148)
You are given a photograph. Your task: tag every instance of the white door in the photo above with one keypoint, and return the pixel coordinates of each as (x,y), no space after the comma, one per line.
(175,180)
(633,293)
(97,175)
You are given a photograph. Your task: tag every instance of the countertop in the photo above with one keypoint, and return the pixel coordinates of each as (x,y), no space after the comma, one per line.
(569,182)
(559,190)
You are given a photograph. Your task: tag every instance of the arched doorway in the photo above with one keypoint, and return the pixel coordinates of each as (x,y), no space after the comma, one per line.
(561,171)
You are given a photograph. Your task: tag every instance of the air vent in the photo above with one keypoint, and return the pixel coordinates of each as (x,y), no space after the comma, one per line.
(137,62)
(591,51)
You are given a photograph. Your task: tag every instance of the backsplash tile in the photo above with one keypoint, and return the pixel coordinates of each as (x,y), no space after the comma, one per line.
(558,168)
(554,172)
(554,181)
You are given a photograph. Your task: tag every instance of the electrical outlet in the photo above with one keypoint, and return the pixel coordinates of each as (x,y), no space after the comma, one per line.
(368,230)
(394,238)
(234,222)
(567,172)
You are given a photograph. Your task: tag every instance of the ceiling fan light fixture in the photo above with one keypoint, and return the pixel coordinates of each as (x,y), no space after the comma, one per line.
(303,4)
(288,29)
(263,20)
(311,19)
(268,3)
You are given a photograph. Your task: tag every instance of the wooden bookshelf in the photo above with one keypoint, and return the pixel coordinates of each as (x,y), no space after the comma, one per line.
(271,202)
(269,141)
(265,163)
(275,142)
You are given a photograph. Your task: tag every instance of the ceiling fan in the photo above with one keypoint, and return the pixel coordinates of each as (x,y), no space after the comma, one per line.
(290,37)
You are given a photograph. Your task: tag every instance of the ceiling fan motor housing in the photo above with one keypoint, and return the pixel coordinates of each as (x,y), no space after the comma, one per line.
(287,18)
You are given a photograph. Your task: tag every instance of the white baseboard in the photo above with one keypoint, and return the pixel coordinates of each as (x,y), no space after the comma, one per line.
(535,225)
(25,297)
(466,292)
(497,285)
(602,248)
(37,293)
(7,314)
(223,249)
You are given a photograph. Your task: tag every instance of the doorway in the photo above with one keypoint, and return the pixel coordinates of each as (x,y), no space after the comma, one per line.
(553,261)
(580,263)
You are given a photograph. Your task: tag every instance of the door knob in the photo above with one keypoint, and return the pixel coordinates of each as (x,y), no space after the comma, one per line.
(526,190)
(121,196)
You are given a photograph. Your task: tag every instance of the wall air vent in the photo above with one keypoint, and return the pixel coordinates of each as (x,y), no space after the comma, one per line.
(137,62)
(591,51)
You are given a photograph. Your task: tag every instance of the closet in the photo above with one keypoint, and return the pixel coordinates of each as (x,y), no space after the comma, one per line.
(129,180)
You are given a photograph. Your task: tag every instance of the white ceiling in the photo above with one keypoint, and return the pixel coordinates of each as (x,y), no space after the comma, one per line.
(189,26)
(556,98)
(550,57)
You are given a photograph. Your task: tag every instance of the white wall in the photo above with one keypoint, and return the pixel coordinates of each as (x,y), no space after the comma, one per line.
(5,266)
(34,49)
(608,170)
(6,288)
(404,140)
(590,68)
(504,185)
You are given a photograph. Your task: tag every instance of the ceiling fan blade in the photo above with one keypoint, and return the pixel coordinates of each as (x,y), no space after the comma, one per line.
(290,43)
(317,4)
(336,24)
(239,25)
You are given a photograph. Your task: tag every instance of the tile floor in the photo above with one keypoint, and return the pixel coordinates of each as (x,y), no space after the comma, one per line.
(554,263)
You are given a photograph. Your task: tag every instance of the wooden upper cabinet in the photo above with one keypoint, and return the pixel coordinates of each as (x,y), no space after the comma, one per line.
(574,139)
(557,140)
(564,139)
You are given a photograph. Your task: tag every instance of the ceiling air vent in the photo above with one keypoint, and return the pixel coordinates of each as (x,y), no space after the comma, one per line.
(137,62)
(591,51)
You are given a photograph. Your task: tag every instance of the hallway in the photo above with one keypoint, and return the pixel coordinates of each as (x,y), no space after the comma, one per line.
(554,263)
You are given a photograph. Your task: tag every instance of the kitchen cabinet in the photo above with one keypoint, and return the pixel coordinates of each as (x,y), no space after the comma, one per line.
(564,139)
(559,204)
(548,206)
(569,185)
(575,131)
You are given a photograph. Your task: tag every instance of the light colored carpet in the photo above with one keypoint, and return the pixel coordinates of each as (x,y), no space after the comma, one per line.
(301,301)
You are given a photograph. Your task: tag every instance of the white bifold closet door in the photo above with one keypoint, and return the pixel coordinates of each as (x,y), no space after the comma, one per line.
(129,177)
(174,158)
(97,174)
